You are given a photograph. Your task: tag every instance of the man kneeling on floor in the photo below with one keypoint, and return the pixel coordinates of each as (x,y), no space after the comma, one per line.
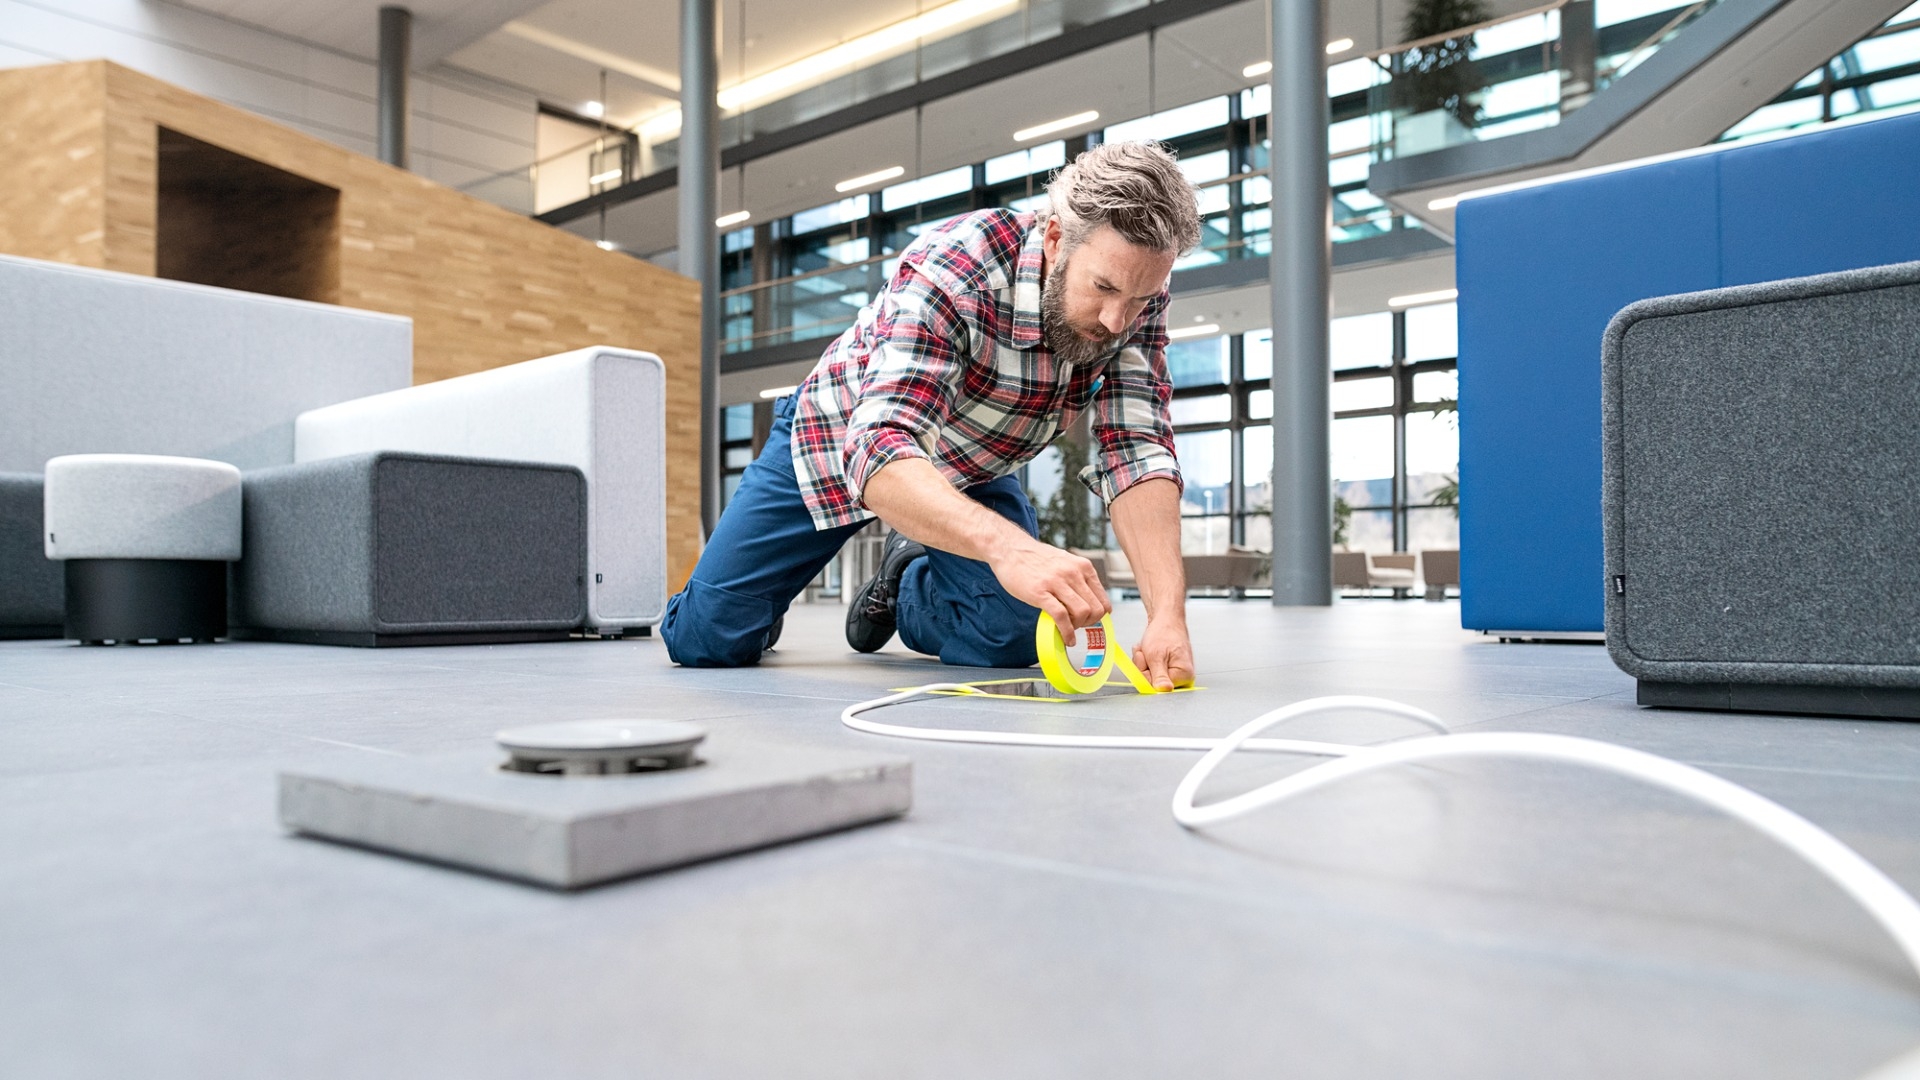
(995,331)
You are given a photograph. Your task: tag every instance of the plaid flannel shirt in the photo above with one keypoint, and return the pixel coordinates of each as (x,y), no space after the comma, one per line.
(949,364)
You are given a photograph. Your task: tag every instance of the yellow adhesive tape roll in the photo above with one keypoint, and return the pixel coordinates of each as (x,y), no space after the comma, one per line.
(1059,668)
(1105,655)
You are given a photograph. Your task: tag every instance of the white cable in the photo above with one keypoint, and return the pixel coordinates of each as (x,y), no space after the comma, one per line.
(1884,900)
(851,718)
(1887,902)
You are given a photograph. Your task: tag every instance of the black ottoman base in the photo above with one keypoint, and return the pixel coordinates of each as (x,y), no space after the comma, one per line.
(1883,702)
(132,600)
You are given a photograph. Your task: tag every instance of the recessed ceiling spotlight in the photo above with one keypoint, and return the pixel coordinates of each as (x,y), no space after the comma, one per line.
(870,179)
(1439,296)
(594,109)
(1193,331)
(603,245)
(1052,126)
(1339,45)
(602,178)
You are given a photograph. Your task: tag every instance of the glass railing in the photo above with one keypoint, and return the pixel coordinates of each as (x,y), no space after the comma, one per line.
(1879,75)
(1516,73)
(1000,28)
(1521,72)
(560,179)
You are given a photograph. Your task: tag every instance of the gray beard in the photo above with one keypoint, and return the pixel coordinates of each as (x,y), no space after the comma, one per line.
(1068,346)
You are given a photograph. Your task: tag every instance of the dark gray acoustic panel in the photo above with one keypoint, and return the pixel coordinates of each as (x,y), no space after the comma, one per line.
(32,588)
(1761,497)
(404,548)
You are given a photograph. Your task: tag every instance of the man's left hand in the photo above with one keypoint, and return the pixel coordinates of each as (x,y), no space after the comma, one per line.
(1165,655)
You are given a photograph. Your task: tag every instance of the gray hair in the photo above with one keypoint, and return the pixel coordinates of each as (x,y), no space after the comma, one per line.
(1136,187)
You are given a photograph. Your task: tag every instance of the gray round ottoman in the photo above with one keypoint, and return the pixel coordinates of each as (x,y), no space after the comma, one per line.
(146,541)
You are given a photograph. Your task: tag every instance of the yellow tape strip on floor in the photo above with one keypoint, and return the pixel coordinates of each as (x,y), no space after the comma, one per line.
(1066,679)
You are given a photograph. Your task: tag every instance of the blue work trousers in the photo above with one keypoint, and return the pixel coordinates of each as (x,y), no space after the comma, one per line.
(765,550)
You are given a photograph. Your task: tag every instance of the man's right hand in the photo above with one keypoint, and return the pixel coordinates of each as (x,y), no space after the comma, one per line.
(1060,583)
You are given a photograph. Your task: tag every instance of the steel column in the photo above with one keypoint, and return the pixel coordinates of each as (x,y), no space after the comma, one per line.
(396,57)
(1300,287)
(699,238)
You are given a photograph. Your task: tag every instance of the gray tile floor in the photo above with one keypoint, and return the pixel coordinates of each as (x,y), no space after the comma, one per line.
(1038,914)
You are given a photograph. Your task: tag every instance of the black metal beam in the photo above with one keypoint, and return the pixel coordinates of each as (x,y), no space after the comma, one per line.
(1059,47)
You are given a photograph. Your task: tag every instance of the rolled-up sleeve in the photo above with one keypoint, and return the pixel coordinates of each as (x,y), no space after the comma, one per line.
(1131,422)
(909,381)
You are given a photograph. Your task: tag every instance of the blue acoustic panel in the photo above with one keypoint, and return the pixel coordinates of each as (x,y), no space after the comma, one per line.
(1838,200)
(1540,273)
(1542,270)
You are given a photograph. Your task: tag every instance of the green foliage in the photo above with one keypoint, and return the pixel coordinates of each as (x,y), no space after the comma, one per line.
(1441,75)
(1067,519)
(1342,520)
(1448,494)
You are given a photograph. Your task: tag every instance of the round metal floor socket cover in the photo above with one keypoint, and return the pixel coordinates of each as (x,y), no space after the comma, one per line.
(601,747)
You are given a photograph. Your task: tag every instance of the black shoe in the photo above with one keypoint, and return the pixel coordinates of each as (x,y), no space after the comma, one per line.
(870,617)
(773,633)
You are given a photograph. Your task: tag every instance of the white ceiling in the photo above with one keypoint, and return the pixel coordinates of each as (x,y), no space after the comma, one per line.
(440,27)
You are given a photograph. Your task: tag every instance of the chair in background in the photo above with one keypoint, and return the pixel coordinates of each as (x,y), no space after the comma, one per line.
(1439,568)
(1358,570)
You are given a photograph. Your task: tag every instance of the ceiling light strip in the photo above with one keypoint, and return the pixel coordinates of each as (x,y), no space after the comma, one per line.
(870,179)
(1193,331)
(1052,126)
(845,56)
(1438,296)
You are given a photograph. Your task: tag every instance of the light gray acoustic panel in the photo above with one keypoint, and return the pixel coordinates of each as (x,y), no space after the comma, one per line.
(94,362)
(411,549)
(1762,494)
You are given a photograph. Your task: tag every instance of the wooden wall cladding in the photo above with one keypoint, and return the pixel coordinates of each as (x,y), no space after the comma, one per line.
(80,182)
(230,221)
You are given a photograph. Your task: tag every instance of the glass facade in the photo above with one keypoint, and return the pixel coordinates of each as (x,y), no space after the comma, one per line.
(1395,443)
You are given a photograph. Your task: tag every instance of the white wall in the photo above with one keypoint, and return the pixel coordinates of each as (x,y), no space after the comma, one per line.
(464,127)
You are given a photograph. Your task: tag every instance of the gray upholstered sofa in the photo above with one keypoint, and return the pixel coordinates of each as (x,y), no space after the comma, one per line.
(520,503)
(100,362)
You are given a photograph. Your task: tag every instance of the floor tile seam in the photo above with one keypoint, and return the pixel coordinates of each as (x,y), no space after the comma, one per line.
(107,696)
(261,730)
(1839,774)
(1894,1002)
(1178,730)
(1587,700)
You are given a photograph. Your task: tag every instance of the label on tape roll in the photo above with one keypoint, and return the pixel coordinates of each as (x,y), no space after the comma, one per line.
(1059,668)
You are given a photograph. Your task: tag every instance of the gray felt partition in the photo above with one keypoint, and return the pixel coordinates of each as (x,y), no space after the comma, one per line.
(32,587)
(1761,495)
(397,548)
